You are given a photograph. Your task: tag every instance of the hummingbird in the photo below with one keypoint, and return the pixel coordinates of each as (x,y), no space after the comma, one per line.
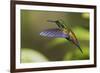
(63,31)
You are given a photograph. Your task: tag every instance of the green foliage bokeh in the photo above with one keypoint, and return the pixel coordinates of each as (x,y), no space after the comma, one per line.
(52,49)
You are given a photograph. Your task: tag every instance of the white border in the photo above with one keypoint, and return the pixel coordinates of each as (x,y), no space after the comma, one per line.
(52,64)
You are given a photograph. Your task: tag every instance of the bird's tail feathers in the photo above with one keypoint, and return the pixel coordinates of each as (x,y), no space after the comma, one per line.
(80,49)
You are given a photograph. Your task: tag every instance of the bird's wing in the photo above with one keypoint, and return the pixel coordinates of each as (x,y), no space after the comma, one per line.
(56,32)
(75,41)
(73,36)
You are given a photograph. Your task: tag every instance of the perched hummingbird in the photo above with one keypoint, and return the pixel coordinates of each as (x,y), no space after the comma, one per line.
(63,31)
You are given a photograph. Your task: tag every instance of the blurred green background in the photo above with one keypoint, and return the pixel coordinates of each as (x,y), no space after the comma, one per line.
(36,48)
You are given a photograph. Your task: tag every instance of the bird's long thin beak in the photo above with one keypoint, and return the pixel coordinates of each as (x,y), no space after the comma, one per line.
(52,21)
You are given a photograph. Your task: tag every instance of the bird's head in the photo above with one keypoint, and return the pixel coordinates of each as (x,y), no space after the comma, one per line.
(58,22)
